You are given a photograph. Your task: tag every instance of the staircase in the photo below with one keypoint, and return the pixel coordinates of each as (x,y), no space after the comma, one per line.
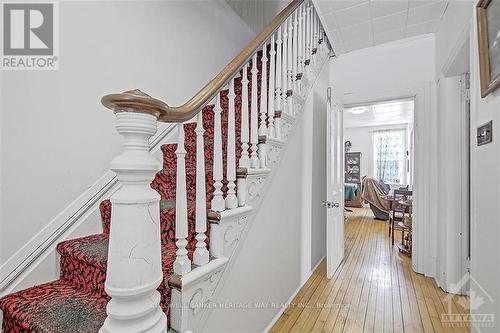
(170,231)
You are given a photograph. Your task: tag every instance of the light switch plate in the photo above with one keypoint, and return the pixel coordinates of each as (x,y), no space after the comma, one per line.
(485,133)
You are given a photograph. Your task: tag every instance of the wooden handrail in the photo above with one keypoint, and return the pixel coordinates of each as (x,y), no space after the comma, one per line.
(174,114)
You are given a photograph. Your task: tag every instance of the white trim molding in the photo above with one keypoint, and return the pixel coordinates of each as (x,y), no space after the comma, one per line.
(19,265)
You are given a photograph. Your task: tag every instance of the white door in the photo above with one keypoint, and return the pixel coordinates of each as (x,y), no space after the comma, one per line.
(335,186)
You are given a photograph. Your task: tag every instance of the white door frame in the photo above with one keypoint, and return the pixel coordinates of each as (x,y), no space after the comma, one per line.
(425,179)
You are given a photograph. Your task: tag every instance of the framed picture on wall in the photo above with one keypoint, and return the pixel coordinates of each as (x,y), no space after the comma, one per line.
(488,27)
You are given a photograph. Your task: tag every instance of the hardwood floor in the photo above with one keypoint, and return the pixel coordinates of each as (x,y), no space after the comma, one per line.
(374,290)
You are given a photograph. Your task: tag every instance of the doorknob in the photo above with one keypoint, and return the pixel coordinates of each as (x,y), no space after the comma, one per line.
(329,204)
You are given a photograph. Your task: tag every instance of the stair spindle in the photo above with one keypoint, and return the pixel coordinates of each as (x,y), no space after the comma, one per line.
(299,51)
(254,123)
(182,264)
(290,77)
(245,131)
(308,35)
(218,203)
(279,72)
(231,199)
(263,92)
(272,79)
(295,49)
(304,28)
(284,66)
(201,255)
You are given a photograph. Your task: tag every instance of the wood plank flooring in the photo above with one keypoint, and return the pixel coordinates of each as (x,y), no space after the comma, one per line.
(374,290)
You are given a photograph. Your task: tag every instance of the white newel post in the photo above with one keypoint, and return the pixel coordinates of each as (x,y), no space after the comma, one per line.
(245,131)
(182,264)
(201,254)
(231,199)
(263,92)
(134,269)
(272,79)
(218,204)
(254,121)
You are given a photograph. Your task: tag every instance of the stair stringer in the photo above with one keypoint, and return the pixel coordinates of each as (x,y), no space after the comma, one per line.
(193,294)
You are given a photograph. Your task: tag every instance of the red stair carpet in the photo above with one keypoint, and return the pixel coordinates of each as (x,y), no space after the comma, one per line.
(76,303)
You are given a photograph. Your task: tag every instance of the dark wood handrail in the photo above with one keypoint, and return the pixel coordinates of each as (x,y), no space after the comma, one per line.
(172,114)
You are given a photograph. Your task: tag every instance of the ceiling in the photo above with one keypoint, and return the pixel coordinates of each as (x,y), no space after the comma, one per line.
(379,114)
(357,24)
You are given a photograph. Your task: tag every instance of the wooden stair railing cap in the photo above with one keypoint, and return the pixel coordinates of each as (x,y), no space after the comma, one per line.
(173,114)
(135,101)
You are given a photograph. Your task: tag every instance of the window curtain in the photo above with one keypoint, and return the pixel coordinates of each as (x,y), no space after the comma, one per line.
(389,155)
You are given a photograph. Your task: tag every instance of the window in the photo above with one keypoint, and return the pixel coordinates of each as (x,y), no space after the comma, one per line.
(389,155)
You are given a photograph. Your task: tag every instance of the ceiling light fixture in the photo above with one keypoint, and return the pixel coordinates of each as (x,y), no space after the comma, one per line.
(358,110)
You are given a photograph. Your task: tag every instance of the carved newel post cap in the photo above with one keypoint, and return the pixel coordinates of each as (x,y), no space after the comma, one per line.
(135,101)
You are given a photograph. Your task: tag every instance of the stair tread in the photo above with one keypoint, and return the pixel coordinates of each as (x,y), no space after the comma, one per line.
(92,249)
(54,307)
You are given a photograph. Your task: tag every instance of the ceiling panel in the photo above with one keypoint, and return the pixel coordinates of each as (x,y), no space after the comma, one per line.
(358,24)
(390,22)
(353,15)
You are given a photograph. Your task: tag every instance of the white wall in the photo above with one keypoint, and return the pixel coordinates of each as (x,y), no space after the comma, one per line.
(394,70)
(57,139)
(452,33)
(257,13)
(386,67)
(485,195)
(268,267)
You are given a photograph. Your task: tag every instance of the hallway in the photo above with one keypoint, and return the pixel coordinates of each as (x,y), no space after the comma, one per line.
(374,290)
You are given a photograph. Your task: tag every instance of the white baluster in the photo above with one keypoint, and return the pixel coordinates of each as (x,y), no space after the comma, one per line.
(262,151)
(291,79)
(308,34)
(218,202)
(284,76)
(231,199)
(279,80)
(245,131)
(182,264)
(254,123)
(315,35)
(272,79)
(201,254)
(290,61)
(134,258)
(300,63)
(279,73)
(304,47)
(263,92)
(295,49)
(277,124)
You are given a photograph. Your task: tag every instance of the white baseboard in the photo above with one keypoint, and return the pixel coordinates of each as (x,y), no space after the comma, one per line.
(27,258)
(280,312)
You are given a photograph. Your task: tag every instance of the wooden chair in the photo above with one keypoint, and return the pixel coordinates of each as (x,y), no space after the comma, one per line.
(399,208)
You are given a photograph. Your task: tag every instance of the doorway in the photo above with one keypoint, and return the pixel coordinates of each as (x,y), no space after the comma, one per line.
(379,162)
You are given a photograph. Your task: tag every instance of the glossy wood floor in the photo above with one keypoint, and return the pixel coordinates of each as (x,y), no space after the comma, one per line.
(374,290)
